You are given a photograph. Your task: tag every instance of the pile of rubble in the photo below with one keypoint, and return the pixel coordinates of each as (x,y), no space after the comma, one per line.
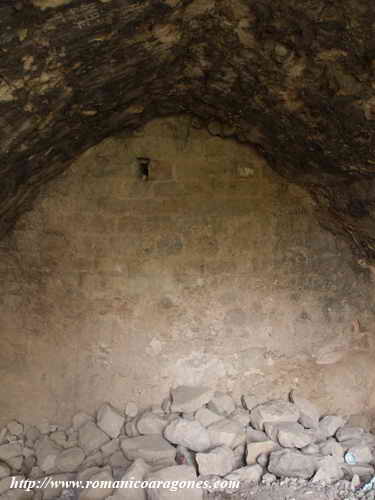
(194,434)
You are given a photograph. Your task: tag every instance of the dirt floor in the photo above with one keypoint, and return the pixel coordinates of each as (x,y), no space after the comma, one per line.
(295,489)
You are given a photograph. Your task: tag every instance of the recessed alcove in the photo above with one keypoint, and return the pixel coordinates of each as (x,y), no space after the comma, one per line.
(215,271)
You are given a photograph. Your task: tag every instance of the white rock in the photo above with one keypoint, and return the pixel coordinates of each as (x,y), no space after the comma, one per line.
(262,459)
(250,401)
(166,405)
(86,474)
(131,409)
(207,417)
(187,399)
(93,460)
(4,470)
(90,437)
(275,411)
(10,450)
(365,472)
(181,473)
(81,418)
(43,426)
(104,479)
(222,404)
(111,447)
(333,448)
(226,432)
(15,428)
(188,416)
(188,433)
(32,434)
(60,438)
(309,414)
(253,450)
(153,449)
(250,473)
(150,423)
(329,425)
(56,489)
(239,455)
(131,428)
(218,461)
(69,460)
(118,460)
(36,473)
(241,416)
(290,463)
(3,434)
(46,453)
(136,472)
(253,436)
(15,463)
(293,435)
(328,471)
(312,449)
(345,433)
(110,420)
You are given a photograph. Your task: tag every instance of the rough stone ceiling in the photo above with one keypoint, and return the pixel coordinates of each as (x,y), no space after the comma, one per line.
(295,78)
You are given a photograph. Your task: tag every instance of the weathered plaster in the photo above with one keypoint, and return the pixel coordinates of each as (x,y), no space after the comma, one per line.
(213,271)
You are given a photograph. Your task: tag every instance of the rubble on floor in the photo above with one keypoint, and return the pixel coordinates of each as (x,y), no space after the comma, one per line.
(274,449)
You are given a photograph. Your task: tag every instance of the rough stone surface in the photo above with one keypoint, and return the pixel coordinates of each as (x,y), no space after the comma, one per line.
(253,450)
(309,414)
(254,436)
(329,471)
(241,416)
(329,425)
(47,453)
(345,433)
(91,438)
(187,399)
(222,404)
(98,493)
(110,420)
(289,463)
(219,461)
(189,433)
(15,428)
(273,411)
(131,409)
(4,470)
(293,435)
(150,423)
(207,417)
(69,460)
(250,473)
(153,449)
(136,472)
(174,473)
(226,432)
(81,418)
(10,450)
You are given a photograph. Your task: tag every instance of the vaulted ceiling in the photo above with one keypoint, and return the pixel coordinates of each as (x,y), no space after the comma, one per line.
(294,78)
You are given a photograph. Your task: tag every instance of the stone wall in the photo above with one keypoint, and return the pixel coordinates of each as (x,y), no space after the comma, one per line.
(213,271)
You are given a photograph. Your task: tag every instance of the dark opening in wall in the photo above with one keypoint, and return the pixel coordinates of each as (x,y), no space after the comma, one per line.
(143,168)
